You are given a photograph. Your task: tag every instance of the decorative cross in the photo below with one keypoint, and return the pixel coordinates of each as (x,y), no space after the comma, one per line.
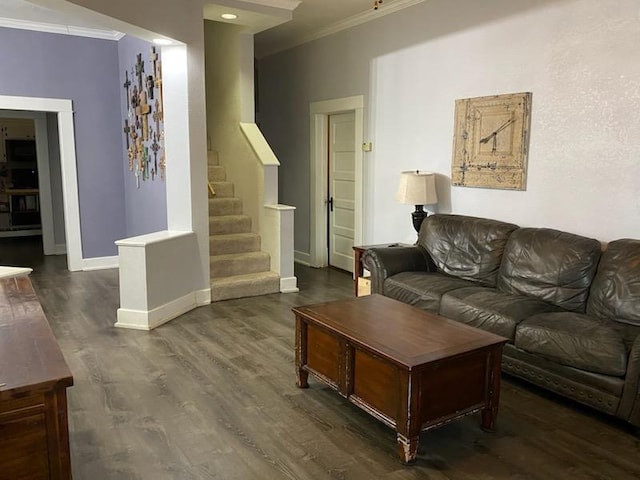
(131,154)
(163,165)
(133,133)
(153,169)
(150,85)
(157,115)
(142,110)
(155,146)
(154,58)
(126,85)
(134,97)
(139,153)
(139,160)
(145,164)
(127,130)
(139,70)
(158,83)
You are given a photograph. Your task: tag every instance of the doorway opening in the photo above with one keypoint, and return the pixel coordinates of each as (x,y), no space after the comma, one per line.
(336,134)
(60,113)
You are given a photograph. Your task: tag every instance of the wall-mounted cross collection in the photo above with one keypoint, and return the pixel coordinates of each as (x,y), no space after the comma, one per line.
(144,134)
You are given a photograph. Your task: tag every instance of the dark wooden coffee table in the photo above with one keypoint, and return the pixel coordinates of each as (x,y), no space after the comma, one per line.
(406,367)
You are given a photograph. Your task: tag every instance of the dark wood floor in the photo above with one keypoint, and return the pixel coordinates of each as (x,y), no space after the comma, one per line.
(211,395)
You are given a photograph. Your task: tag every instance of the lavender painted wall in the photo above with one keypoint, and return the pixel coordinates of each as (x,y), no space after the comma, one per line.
(84,70)
(145,207)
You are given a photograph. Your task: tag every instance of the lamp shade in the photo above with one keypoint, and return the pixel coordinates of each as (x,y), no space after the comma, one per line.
(417,188)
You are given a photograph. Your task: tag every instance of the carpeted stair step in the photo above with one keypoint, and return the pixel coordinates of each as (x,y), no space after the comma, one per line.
(239,264)
(212,157)
(224,206)
(239,286)
(223,189)
(234,243)
(217,173)
(225,224)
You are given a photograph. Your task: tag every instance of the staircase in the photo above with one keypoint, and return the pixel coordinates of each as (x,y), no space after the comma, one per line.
(238,267)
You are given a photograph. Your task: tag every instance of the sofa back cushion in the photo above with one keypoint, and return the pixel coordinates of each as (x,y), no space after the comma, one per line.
(615,292)
(466,247)
(555,267)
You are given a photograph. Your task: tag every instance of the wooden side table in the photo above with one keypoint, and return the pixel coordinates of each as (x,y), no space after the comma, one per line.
(34,377)
(358,252)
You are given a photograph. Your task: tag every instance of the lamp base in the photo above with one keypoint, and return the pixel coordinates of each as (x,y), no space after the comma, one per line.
(418,217)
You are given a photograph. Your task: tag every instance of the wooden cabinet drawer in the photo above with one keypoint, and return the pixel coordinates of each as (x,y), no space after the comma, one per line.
(23,445)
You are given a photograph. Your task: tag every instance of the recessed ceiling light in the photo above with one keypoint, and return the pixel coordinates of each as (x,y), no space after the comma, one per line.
(229,16)
(162,41)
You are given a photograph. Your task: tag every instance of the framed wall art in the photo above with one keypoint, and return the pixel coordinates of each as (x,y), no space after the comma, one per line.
(490,141)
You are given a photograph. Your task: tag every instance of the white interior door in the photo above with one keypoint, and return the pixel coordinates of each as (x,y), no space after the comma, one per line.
(341,209)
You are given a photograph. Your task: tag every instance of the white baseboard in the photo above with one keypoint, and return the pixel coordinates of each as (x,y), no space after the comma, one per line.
(148,320)
(99,263)
(60,249)
(289,285)
(302,258)
(203,297)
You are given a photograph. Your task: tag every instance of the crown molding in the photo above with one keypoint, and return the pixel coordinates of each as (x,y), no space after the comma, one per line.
(359,19)
(349,22)
(61,29)
(284,4)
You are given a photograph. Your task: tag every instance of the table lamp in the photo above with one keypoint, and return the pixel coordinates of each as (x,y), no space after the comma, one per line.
(417,188)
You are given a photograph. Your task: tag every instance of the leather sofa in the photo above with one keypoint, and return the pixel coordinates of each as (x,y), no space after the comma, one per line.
(570,311)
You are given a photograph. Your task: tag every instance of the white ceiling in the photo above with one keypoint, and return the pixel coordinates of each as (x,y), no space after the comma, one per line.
(310,16)
(27,16)
(316,18)
(269,19)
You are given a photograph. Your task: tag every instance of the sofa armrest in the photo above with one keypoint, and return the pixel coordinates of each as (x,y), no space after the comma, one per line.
(387,261)
(629,408)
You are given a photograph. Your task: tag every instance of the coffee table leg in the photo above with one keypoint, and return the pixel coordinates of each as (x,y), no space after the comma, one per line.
(408,448)
(301,378)
(301,353)
(490,414)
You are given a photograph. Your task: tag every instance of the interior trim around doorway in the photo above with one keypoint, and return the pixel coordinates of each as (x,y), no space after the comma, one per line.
(64,110)
(319,135)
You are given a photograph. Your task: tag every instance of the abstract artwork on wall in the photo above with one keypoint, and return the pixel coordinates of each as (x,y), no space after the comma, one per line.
(490,142)
(143,127)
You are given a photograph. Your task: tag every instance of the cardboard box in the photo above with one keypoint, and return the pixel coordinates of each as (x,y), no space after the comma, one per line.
(364,286)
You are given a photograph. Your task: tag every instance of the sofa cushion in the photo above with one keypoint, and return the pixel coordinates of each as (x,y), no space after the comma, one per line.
(576,340)
(421,289)
(490,309)
(615,292)
(465,247)
(555,267)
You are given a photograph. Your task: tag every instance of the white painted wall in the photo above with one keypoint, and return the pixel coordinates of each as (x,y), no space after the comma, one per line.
(228,86)
(156,281)
(578,57)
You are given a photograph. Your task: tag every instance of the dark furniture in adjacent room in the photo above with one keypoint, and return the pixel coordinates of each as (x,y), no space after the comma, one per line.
(19,188)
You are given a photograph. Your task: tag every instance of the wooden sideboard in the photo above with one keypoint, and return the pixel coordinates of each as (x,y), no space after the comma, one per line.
(34,436)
